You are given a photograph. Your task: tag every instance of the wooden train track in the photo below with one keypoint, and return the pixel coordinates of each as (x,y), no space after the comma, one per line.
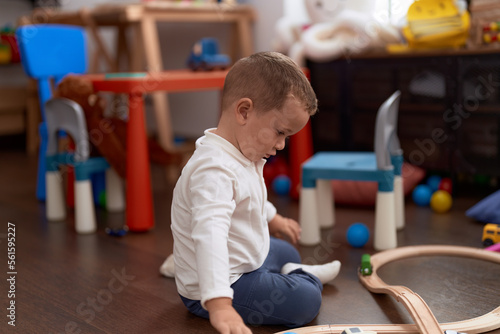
(424,319)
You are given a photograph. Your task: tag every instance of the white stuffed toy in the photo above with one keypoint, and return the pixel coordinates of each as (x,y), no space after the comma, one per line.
(337,28)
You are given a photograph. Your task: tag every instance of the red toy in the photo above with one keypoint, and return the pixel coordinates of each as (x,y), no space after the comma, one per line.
(446,184)
(108,134)
(7,37)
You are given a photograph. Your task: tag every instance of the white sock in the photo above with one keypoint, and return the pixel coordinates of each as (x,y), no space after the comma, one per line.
(325,272)
(168,267)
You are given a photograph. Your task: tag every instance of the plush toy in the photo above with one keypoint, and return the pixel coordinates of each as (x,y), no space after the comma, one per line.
(107,135)
(336,28)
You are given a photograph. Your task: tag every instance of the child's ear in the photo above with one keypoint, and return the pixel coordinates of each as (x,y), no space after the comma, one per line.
(243,108)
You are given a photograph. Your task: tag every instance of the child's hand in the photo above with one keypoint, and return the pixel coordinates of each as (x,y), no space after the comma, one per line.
(280,226)
(224,317)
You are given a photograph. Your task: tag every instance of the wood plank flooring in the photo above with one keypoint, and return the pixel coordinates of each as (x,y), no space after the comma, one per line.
(70,283)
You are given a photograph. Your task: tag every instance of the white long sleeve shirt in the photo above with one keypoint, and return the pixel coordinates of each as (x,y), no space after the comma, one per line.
(219,219)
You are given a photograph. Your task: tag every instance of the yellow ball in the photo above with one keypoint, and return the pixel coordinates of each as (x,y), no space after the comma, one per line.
(441,201)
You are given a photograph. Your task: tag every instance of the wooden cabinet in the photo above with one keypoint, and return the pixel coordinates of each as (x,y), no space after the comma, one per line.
(449,115)
(12,110)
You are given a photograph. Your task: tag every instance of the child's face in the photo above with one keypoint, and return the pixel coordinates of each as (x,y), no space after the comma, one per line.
(266,132)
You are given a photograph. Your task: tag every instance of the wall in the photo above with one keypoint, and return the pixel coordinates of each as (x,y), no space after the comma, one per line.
(204,107)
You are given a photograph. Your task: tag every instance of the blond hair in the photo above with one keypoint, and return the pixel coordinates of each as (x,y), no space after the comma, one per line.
(268,79)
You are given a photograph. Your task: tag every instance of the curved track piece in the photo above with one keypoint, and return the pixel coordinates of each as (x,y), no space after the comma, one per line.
(425,322)
(416,306)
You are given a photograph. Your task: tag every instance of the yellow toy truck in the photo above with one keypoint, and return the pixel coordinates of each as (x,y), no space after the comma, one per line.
(491,234)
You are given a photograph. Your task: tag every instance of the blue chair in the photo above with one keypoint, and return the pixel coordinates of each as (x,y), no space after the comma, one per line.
(48,53)
(66,115)
(316,202)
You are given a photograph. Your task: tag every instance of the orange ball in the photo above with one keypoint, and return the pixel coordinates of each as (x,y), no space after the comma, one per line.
(441,201)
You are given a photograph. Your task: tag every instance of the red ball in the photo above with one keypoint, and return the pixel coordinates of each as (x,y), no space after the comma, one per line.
(274,166)
(281,166)
(446,185)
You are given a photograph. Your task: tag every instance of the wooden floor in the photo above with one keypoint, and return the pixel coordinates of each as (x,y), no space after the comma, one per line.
(69,283)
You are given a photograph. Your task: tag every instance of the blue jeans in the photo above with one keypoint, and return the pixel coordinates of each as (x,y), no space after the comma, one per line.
(267,297)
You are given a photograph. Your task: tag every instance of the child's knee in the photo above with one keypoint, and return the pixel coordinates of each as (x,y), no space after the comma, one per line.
(310,306)
(287,252)
(304,305)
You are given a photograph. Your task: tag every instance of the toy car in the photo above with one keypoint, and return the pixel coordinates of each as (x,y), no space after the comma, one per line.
(117,232)
(491,234)
(355,330)
(205,56)
(366,267)
(450,331)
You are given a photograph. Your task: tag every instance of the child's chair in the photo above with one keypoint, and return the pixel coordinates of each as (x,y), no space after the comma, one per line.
(49,52)
(67,115)
(316,202)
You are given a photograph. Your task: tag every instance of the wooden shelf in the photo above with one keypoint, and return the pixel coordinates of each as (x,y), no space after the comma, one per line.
(19,113)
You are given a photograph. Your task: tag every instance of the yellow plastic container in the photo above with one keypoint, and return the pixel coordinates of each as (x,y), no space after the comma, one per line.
(436,24)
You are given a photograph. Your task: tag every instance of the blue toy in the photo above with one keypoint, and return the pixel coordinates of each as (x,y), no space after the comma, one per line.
(205,56)
(433,182)
(281,185)
(422,195)
(117,232)
(357,235)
